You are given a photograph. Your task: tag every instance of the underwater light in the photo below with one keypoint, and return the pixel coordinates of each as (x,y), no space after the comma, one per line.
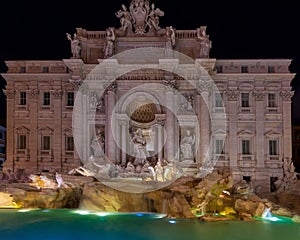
(172,221)
(82,212)
(26,210)
(102,214)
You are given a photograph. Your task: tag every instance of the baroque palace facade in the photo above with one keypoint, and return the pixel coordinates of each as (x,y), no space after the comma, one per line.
(185,106)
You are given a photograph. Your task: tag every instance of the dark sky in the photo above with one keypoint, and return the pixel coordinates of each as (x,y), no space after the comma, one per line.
(36,30)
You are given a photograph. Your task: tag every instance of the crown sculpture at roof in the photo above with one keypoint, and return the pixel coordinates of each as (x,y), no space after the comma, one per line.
(140,18)
(139,28)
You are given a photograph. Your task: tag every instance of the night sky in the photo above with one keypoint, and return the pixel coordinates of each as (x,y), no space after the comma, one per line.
(36,30)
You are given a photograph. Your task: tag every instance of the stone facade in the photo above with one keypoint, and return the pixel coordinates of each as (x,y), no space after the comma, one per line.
(238,112)
(2,145)
(296,147)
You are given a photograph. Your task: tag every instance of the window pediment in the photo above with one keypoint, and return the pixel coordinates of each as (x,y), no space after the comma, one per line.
(246,132)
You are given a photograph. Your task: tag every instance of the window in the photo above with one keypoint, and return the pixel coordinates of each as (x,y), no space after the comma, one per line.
(271,69)
(70,99)
(245,100)
(272,184)
(46,144)
(247,178)
(2,149)
(244,69)
(22,142)
(246,147)
(219,69)
(273,147)
(271,100)
(45,69)
(22,98)
(69,143)
(46,101)
(218,100)
(22,69)
(219,146)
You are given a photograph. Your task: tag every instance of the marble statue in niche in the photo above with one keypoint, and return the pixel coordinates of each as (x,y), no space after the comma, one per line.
(187,145)
(98,143)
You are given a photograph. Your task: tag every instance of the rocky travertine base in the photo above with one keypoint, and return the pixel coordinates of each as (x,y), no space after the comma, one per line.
(187,197)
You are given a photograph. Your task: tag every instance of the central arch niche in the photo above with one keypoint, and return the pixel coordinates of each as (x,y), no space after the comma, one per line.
(140,112)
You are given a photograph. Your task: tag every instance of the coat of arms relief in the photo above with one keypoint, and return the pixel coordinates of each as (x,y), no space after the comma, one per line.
(141,18)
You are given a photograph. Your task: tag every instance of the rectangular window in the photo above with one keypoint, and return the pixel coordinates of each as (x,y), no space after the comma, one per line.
(246,147)
(46,101)
(46,144)
(219,69)
(245,99)
(69,144)
(2,149)
(271,69)
(271,100)
(22,98)
(70,99)
(219,146)
(22,142)
(244,69)
(219,100)
(45,69)
(22,69)
(273,147)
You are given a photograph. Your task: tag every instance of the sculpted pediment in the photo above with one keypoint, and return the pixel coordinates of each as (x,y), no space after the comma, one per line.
(246,132)
(273,134)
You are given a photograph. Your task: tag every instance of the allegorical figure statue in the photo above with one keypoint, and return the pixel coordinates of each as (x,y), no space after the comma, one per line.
(153,18)
(109,43)
(170,36)
(187,145)
(205,43)
(139,147)
(98,144)
(125,19)
(75,45)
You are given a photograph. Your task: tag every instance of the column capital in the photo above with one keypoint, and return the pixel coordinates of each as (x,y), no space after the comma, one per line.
(34,93)
(76,83)
(10,93)
(57,94)
(170,83)
(232,95)
(205,86)
(286,95)
(259,95)
(110,87)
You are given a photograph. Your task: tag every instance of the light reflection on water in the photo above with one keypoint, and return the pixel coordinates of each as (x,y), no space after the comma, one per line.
(64,224)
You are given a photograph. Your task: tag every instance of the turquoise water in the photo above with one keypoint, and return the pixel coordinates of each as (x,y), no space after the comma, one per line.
(64,224)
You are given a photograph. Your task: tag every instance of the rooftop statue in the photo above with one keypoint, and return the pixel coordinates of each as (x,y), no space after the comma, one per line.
(109,43)
(141,17)
(205,43)
(75,45)
(125,19)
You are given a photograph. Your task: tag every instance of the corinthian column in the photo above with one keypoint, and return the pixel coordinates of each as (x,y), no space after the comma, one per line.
(287,126)
(204,117)
(171,86)
(232,96)
(259,97)
(110,146)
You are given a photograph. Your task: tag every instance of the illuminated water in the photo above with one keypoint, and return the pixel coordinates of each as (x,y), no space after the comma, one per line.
(79,225)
